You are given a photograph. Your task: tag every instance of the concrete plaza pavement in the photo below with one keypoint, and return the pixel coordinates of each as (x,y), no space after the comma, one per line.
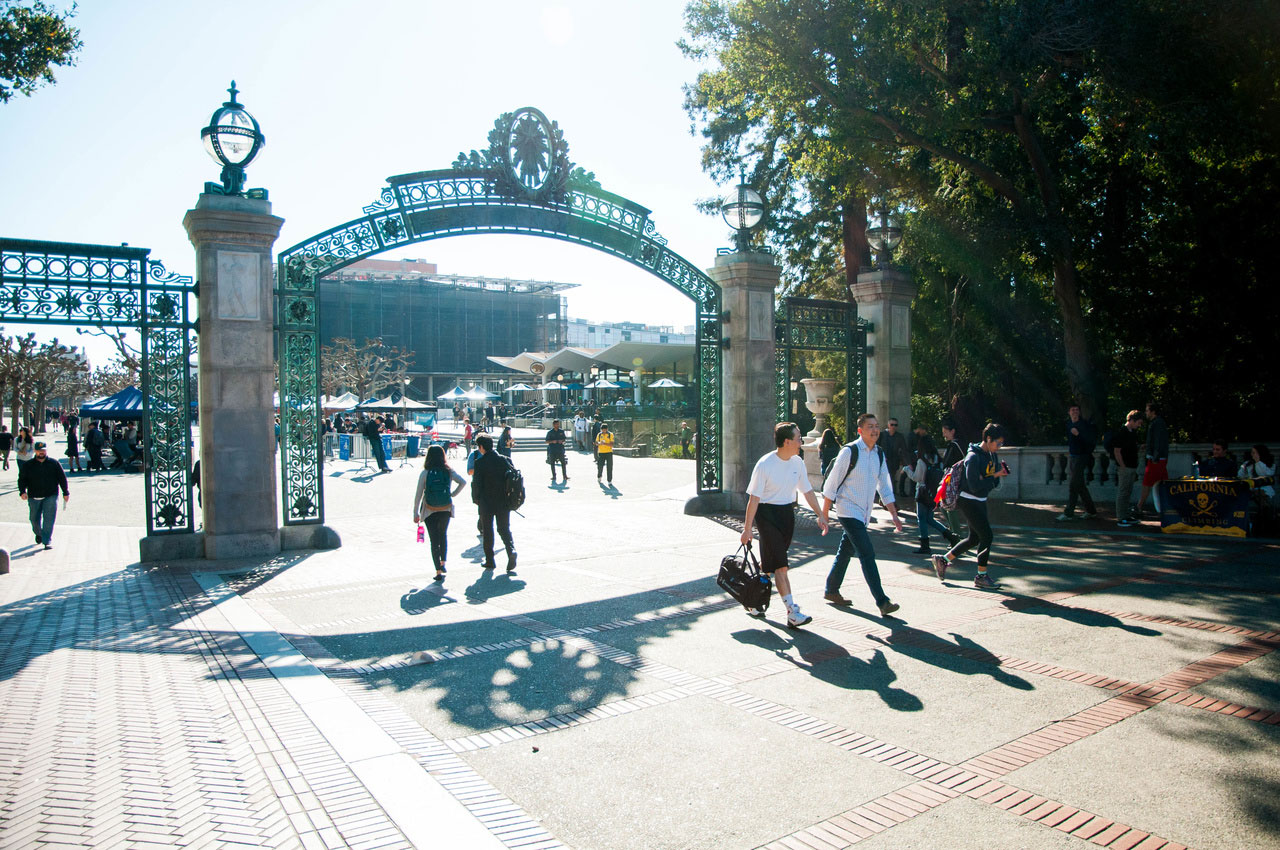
(1119,690)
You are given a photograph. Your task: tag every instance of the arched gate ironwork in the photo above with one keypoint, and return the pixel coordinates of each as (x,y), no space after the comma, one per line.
(815,324)
(523,183)
(60,283)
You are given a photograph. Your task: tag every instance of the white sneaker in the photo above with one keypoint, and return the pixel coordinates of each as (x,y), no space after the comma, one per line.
(797,618)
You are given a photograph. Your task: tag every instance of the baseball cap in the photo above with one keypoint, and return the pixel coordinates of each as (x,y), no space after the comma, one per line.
(40,446)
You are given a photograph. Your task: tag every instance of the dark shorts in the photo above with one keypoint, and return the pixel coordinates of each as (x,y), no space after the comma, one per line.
(1155,472)
(777,525)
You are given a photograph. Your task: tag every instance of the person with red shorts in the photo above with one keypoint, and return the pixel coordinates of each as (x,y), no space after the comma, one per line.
(771,499)
(1157,468)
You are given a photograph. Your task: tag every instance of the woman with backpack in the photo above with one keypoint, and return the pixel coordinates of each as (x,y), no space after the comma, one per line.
(927,475)
(506,443)
(433,503)
(982,473)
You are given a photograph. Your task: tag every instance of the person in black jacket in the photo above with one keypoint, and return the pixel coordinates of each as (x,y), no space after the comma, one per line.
(373,433)
(489,492)
(982,474)
(951,455)
(1081,438)
(38,483)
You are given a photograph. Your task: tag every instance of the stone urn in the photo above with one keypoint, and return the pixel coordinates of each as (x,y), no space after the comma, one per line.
(818,399)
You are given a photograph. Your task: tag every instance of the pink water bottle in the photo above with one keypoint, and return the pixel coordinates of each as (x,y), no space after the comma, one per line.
(422,533)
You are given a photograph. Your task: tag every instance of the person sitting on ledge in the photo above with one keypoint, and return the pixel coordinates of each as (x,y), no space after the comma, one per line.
(1219,464)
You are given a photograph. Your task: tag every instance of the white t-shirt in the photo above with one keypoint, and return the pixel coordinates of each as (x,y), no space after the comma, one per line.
(775,481)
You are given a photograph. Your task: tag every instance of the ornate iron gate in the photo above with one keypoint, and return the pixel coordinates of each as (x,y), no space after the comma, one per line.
(812,324)
(57,283)
(523,183)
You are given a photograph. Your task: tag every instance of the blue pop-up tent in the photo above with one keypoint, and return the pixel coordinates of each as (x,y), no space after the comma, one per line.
(126,404)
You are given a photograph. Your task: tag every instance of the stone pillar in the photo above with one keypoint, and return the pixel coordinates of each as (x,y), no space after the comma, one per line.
(748,391)
(233,237)
(884,298)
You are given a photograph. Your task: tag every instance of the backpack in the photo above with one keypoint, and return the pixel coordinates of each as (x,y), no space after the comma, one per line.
(438,495)
(853,461)
(933,474)
(512,487)
(949,487)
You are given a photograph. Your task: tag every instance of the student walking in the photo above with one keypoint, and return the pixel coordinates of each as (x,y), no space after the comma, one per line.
(24,448)
(982,474)
(858,472)
(6,444)
(555,451)
(433,503)
(604,452)
(927,474)
(771,499)
(507,442)
(38,483)
(1081,439)
(952,454)
(488,491)
(73,448)
(93,443)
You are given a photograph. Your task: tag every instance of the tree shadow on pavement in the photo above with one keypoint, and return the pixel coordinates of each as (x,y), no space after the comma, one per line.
(834,664)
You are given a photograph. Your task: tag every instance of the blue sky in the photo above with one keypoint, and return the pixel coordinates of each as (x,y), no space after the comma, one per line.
(347,95)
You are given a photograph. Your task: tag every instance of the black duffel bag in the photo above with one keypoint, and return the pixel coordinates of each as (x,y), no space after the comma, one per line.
(741,577)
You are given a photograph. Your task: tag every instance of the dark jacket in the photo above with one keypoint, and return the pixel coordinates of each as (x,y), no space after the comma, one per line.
(1157,439)
(895,450)
(488,482)
(980,469)
(1127,442)
(952,455)
(40,479)
(1081,444)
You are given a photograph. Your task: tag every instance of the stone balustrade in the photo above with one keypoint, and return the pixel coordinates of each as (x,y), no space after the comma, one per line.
(1039,473)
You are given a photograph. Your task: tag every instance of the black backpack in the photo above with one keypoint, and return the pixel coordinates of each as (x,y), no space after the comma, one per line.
(512,486)
(933,473)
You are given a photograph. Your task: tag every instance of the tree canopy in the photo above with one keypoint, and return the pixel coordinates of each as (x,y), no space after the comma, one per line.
(1088,184)
(34,37)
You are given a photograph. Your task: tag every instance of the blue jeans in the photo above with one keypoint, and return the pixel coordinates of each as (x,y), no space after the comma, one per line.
(924,516)
(855,537)
(43,512)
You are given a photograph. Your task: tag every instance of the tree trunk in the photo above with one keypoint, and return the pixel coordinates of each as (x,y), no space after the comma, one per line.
(857,251)
(1081,369)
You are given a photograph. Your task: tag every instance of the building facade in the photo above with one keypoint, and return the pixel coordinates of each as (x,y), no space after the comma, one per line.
(586,334)
(451,324)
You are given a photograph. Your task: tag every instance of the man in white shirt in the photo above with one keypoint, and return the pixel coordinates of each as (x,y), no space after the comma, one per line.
(853,491)
(771,506)
(580,426)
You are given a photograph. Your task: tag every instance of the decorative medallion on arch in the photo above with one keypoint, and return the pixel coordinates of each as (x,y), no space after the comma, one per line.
(523,183)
